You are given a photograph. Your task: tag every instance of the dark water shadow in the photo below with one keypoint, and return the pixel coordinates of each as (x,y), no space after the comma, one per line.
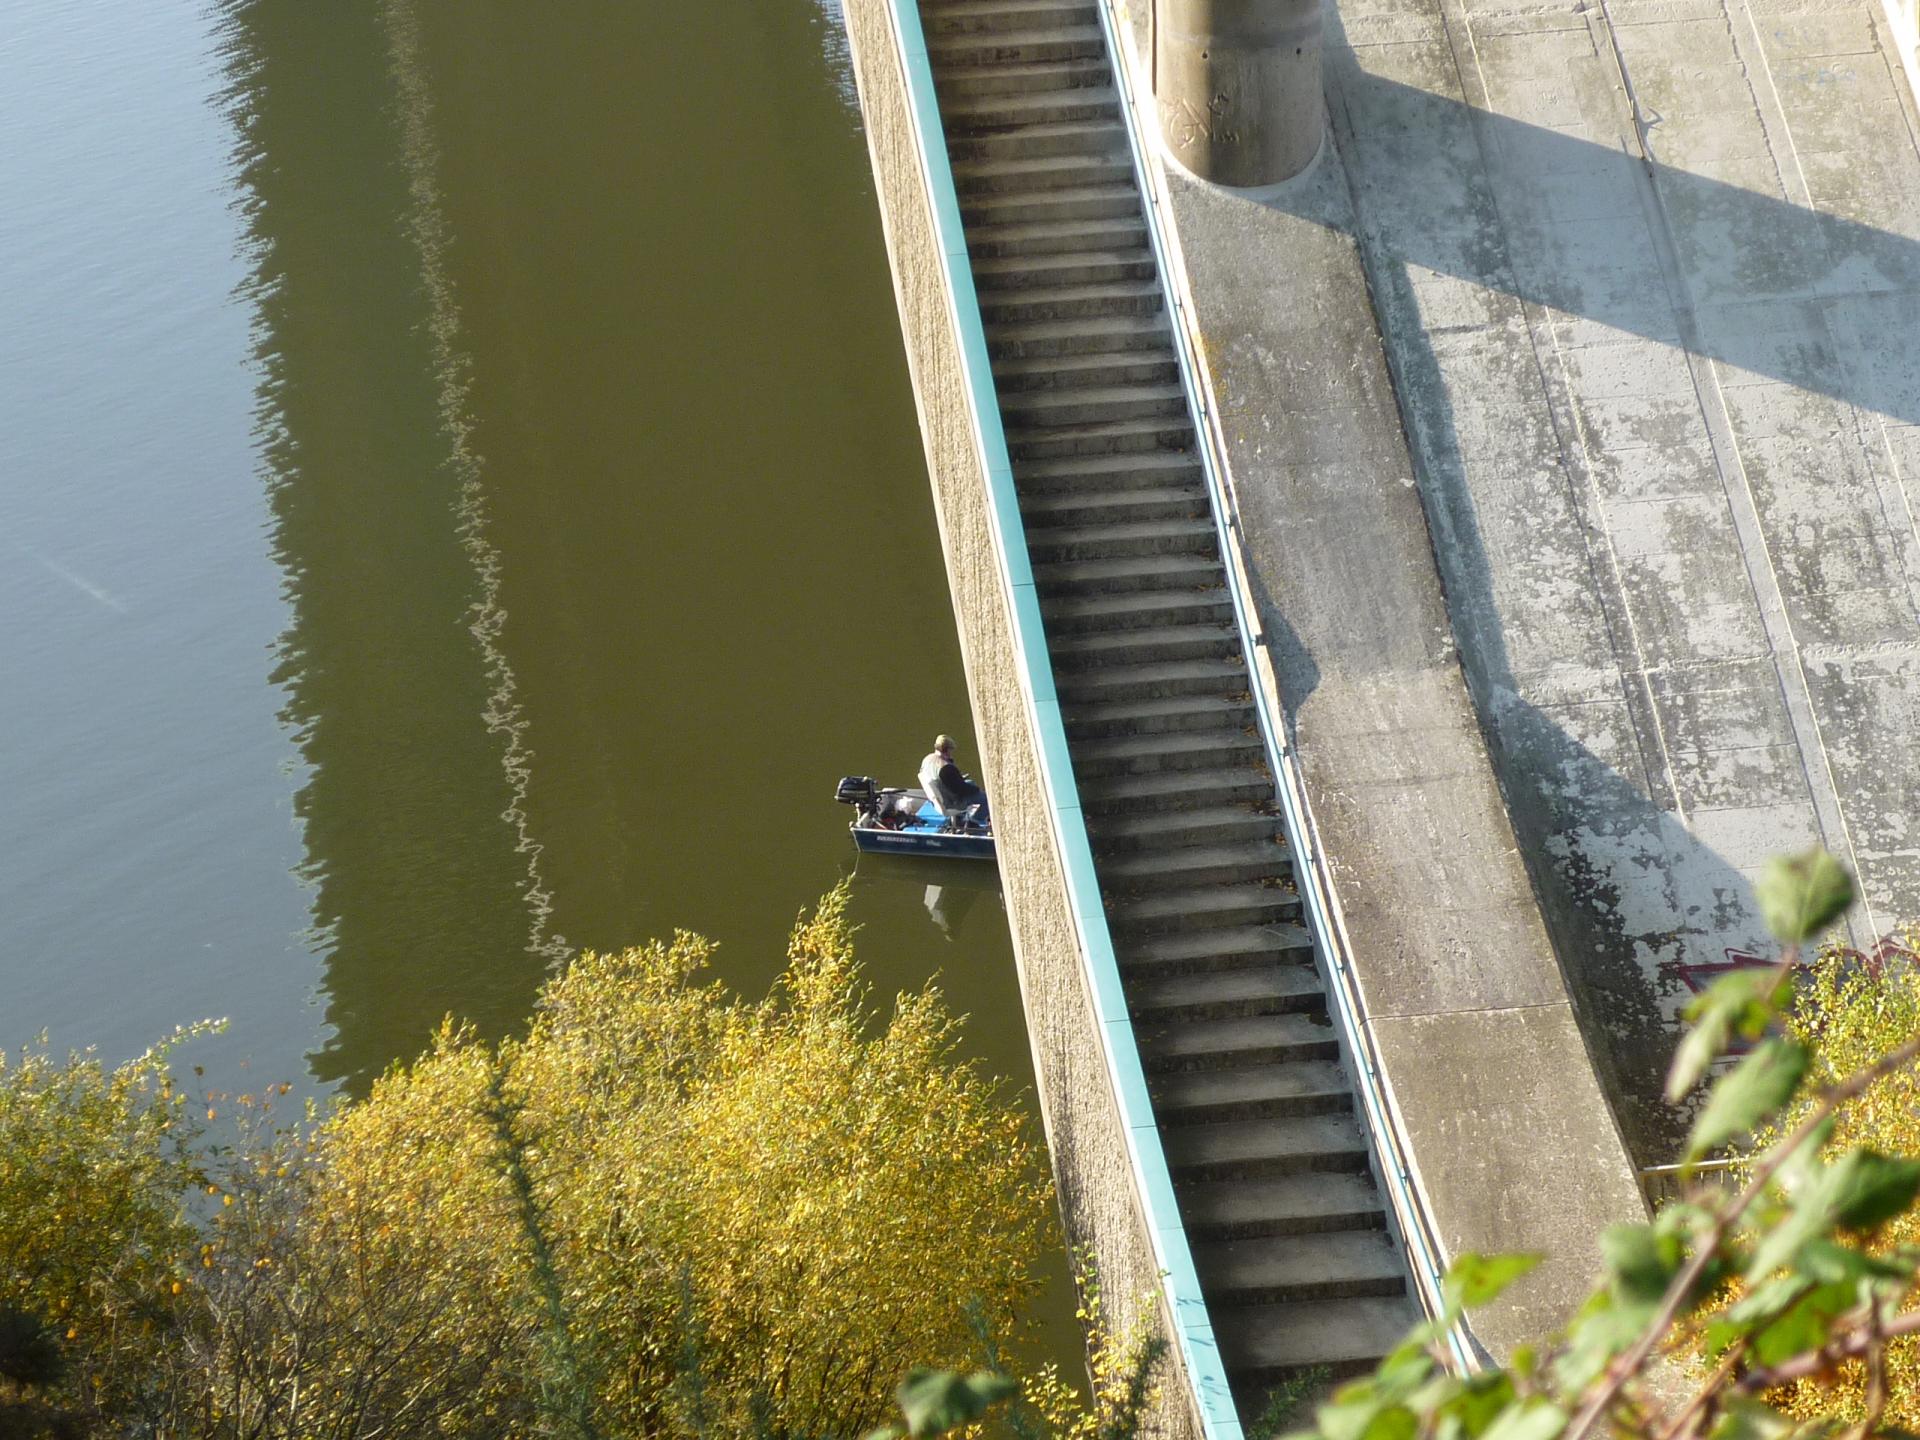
(417,889)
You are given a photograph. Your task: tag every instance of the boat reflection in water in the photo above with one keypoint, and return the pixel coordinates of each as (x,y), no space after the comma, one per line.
(950,889)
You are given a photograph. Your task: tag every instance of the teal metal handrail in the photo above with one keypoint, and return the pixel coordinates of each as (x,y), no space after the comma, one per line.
(1318,902)
(1192,1340)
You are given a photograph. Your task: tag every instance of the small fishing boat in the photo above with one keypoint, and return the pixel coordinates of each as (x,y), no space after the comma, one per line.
(906,822)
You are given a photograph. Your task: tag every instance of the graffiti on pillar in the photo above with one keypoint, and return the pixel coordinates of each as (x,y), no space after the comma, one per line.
(1187,124)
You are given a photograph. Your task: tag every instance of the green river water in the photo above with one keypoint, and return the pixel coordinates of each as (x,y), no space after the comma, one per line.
(460,501)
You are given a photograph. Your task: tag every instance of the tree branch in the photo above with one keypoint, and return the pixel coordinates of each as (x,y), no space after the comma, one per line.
(1816,1362)
(1683,1284)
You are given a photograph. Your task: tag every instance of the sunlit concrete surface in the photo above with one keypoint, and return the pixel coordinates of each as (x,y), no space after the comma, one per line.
(1647,277)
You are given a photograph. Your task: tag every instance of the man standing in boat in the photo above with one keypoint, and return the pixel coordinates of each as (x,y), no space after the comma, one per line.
(956,795)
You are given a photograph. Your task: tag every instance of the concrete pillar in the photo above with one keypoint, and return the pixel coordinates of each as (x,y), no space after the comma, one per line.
(1238,86)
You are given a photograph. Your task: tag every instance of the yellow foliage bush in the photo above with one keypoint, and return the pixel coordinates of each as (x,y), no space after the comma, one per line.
(664,1211)
(1850,1014)
(792,1200)
(93,1165)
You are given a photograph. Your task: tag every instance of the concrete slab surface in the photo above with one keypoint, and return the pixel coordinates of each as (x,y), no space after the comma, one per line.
(1489,1111)
(1647,276)
(1648,273)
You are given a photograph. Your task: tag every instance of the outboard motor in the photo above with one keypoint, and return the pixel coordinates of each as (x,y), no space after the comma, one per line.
(858,791)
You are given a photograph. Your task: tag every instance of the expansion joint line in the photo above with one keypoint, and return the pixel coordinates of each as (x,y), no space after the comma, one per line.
(1757,556)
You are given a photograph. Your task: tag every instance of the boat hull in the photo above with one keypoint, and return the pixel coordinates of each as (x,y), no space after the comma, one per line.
(921,840)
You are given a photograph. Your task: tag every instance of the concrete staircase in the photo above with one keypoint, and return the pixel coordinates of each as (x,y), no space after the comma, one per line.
(1256,1115)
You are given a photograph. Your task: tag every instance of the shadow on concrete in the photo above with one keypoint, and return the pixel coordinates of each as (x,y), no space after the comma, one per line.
(1556,221)
(1464,183)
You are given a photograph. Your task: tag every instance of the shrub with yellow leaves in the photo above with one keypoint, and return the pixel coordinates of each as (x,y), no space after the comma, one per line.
(93,1165)
(1849,1011)
(663,1211)
(801,1198)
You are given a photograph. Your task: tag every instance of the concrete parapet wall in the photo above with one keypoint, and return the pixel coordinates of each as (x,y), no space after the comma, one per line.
(1090,1161)
(1511,1140)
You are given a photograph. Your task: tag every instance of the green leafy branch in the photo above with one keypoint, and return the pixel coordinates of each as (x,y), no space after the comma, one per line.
(1777,1283)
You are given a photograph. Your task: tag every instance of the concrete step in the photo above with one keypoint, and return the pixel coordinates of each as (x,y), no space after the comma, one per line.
(1178,751)
(1258,1092)
(1003,16)
(1245,1040)
(1145,833)
(970,81)
(1121,538)
(1123,507)
(1106,336)
(1265,1344)
(1107,200)
(1075,372)
(985,242)
(1039,44)
(1098,474)
(1200,641)
(1176,715)
(1136,610)
(1221,994)
(1110,437)
(1031,409)
(1196,907)
(1079,372)
(1257,1149)
(973,178)
(1255,1113)
(1282,1268)
(1153,681)
(1197,864)
(1313,1204)
(986,114)
(1015,273)
(1055,139)
(1112,577)
(1214,951)
(1002,309)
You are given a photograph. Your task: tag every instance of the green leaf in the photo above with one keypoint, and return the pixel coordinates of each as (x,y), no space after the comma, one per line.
(1805,1159)
(1804,1327)
(1475,1279)
(1349,1413)
(1701,1047)
(1718,1336)
(1535,1420)
(1744,1419)
(1743,1003)
(1640,1262)
(1482,1400)
(1600,1332)
(1395,1422)
(1771,1297)
(1869,1189)
(1748,999)
(1758,1087)
(936,1401)
(1831,1264)
(1800,895)
(1403,1372)
(1859,1191)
